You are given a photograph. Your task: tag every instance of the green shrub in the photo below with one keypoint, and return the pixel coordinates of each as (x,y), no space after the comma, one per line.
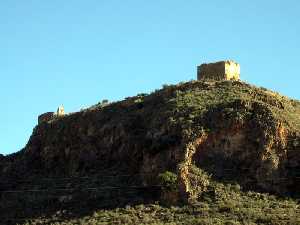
(199,181)
(168,181)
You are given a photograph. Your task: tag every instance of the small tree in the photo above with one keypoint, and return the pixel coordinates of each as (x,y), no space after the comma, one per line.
(168,181)
(199,181)
(170,193)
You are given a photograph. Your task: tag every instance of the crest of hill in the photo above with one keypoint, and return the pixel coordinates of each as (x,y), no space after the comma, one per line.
(195,97)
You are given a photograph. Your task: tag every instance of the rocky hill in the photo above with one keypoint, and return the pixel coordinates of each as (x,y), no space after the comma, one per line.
(168,146)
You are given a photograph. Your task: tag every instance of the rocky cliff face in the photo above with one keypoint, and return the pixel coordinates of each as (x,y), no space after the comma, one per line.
(233,131)
(257,153)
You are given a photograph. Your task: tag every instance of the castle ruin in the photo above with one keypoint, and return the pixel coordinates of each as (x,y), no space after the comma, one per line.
(223,70)
(60,111)
(48,116)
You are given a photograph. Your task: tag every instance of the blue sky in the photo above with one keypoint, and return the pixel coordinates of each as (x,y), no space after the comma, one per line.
(77,53)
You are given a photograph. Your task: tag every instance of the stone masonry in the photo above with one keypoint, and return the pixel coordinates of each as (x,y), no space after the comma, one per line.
(60,111)
(48,116)
(223,70)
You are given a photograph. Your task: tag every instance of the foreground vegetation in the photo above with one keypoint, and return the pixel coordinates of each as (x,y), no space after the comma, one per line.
(220,204)
(250,208)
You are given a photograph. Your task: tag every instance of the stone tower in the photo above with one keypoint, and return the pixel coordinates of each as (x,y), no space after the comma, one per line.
(49,116)
(223,70)
(60,111)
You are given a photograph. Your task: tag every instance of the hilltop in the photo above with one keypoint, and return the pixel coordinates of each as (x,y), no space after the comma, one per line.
(200,142)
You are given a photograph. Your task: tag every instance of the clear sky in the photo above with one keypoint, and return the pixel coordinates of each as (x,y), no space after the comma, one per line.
(77,53)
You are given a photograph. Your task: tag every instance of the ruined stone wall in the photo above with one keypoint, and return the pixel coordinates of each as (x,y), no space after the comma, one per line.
(45,117)
(214,71)
(223,70)
(232,70)
(60,111)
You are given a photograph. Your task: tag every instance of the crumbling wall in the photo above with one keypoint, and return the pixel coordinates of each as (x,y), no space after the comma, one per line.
(215,71)
(45,117)
(232,70)
(60,111)
(223,70)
